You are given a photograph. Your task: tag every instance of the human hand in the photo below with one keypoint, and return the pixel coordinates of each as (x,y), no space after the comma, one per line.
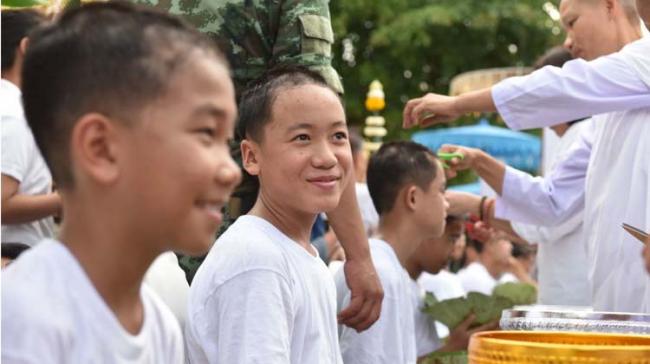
(459,164)
(459,337)
(428,110)
(462,202)
(366,294)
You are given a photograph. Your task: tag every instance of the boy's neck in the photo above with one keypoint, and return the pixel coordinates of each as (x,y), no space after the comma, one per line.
(414,270)
(396,230)
(296,226)
(113,260)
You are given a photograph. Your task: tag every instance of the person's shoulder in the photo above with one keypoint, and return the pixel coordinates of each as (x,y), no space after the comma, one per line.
(247,245)
(388,268)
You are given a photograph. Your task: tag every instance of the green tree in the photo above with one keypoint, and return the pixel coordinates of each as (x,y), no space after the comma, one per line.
(418,46)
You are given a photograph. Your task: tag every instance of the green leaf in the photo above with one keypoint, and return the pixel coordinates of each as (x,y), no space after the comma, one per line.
(517,293)
(23,3)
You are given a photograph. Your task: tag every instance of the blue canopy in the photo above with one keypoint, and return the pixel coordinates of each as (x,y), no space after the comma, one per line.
(516,149)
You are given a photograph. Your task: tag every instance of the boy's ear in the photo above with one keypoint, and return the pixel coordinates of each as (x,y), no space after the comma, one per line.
(410,197)
(250,154)
(22,46)
(92,147)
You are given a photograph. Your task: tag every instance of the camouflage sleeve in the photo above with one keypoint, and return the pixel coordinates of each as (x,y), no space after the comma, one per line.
(305,37)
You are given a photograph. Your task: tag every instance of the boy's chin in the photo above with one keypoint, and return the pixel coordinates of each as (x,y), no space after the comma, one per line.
(326,205)
(196,247)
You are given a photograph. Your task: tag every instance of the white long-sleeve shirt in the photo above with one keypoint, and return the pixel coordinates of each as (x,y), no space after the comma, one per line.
(610,163)
(619,81)
(561,254)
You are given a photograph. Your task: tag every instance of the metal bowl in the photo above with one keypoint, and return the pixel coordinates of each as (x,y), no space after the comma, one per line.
(558,318)
(505,347)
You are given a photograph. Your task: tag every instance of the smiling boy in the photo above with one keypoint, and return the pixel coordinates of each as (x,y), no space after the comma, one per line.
(132,110)
(263,294)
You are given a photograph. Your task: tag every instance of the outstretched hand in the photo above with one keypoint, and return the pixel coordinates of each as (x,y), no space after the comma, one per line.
(430,109)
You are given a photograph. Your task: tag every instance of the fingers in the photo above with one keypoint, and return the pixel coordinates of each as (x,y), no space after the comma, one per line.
(407,120)
(361,313)
(467,322)
(486,327)
(353,309)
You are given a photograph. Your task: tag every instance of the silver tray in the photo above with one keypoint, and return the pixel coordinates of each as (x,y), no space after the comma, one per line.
(563,318)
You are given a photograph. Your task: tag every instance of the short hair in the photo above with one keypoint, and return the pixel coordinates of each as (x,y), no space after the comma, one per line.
(257,100)
(395,165)
(16,25)
(111,58)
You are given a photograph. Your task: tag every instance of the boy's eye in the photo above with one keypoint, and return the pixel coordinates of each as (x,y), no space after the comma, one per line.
(301,137)
(211,132)
(340,136)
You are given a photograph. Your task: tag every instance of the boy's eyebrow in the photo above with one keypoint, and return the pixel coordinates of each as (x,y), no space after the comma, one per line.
(311,126)
(211,110)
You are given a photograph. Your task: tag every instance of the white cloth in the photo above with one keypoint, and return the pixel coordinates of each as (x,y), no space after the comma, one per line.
(562,254)
(426,335)
(52,313)
(369,214)
(167,279)
(444,285)
(392,338)
(551,95)
(22,160)
(476,278)
(259,297)
(608,171)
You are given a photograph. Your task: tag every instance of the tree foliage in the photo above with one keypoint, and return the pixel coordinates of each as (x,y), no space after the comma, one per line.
(418,46)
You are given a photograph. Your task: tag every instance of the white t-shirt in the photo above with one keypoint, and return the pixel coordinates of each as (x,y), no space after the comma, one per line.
(167,279)
(392,338)
(259,297)
(476,278)
(51,313)
(426,335)
(444,285)
(22,160)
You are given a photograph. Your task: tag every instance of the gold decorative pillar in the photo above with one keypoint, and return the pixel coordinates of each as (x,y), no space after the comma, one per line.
(374,130)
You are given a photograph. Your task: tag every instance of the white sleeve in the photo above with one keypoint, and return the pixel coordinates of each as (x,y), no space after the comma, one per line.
(547,234)
(248,319)
(547,201)
(15,153)
(551,95)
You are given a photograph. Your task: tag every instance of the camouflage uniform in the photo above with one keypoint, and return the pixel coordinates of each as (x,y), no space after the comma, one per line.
(255,35)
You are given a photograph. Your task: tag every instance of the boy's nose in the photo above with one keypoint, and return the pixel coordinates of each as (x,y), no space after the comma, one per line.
(568,43)
(324,157)
(229,173)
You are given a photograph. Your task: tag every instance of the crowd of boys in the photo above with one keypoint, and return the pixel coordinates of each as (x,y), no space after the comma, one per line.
(132,111)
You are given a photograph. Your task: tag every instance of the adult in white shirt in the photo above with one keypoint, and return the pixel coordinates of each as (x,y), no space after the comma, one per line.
(607,170)
(561,255)
(28,202)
